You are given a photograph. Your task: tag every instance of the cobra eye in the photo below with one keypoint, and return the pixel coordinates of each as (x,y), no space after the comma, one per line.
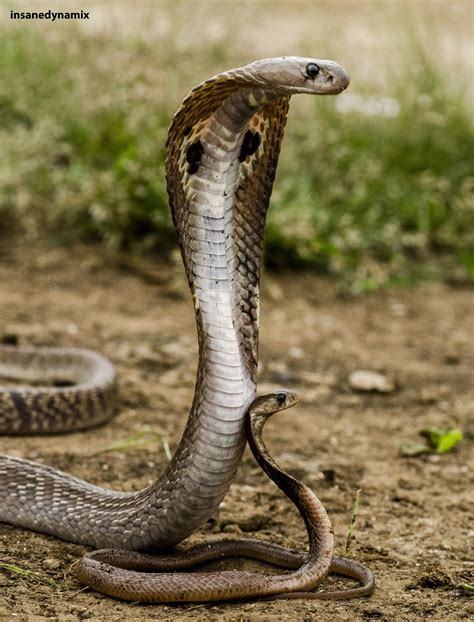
(281,398)
(312,70)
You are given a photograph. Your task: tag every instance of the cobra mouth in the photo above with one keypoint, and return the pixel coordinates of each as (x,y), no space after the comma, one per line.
(341,81)
(337,88)
(343,87)
(336,80)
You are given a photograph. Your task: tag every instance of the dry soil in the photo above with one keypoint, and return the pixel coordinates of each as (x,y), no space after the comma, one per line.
(413,527)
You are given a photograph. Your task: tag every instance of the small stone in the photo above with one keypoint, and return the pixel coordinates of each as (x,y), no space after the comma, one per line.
(51,564)
(231,528)
(403,550)
(146,354)
(274,291)
(296,352)
(171,377)
(398,309)
(413,448)
(311,377)
(178,349)
(365,380)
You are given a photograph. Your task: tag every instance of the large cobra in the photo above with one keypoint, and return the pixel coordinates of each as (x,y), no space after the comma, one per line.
(223,147)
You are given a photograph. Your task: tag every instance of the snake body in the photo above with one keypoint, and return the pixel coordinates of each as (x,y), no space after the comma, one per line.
(144,578)
(222,152)
(87,394)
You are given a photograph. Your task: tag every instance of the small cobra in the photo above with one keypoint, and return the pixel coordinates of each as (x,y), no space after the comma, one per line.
(145,578)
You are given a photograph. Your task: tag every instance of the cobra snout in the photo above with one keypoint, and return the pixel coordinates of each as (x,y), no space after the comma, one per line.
(338,79)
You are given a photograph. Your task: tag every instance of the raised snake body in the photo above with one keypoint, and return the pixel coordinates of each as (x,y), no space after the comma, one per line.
(222,152)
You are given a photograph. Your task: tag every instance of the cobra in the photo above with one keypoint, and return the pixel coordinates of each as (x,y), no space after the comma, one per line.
(222,153)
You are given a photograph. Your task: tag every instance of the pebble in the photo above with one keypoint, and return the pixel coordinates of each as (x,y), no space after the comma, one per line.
(311,377)
(296,352)
(274,291)
(403,550)
(398,309)
(51,564)
(365,380)
(171,377)
(179,348)
(231,528)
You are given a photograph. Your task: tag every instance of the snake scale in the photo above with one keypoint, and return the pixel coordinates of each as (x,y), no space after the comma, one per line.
(222,152)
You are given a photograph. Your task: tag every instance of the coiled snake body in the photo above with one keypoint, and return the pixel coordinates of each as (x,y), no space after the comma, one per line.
(222,152)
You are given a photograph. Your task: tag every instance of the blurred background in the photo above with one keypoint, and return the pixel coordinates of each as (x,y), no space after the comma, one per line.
(375,186)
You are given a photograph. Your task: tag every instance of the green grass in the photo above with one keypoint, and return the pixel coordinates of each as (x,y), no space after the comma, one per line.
(354,515)
(374,200)
(440,440)
(139,440)
(28,575)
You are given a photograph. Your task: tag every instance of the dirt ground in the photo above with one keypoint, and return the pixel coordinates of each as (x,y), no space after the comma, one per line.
(412,529)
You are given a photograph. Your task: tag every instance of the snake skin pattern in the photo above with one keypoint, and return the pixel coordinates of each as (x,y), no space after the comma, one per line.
(222,153)
(144,578)
(88,395)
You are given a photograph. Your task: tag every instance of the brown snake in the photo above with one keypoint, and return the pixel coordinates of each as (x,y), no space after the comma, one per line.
(222,152)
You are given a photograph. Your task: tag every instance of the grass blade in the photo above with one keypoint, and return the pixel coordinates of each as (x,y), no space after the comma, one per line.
(29,575)
(140,439)
(466,587)
(355,512)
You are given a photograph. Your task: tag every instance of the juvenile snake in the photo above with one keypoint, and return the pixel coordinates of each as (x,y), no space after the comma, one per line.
(222,152)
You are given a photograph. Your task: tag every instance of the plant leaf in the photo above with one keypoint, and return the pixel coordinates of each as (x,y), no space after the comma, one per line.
(413,448)
(442,439)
